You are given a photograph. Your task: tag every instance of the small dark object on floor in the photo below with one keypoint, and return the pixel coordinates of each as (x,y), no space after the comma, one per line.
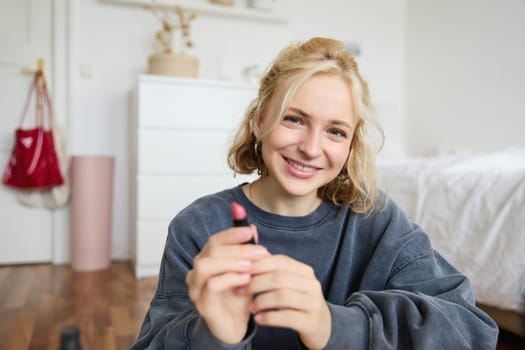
(70,338)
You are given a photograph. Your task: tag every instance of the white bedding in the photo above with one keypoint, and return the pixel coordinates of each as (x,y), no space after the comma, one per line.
(472,206)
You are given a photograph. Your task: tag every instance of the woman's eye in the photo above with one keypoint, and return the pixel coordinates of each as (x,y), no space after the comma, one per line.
(337,132)
(292,119)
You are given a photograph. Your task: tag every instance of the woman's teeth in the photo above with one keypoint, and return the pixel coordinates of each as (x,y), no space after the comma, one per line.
(300,167)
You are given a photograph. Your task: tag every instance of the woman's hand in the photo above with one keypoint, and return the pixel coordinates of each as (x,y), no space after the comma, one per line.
(289,295)
(217,282)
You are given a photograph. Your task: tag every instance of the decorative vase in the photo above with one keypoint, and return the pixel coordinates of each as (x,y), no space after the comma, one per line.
(174,64)
(91,212)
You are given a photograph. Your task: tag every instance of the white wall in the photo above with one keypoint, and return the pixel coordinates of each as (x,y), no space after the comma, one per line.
(464,85)
(110,45)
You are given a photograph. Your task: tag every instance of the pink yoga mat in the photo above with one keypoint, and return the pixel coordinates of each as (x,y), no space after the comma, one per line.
(91,207)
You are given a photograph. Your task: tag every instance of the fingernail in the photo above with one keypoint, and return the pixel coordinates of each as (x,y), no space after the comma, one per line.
(260,250)
(245,263)
(244,277)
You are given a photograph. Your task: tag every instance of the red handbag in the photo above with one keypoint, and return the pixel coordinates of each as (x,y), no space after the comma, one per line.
(33,162)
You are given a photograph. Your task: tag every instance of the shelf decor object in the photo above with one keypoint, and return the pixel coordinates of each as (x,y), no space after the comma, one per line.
(170,61)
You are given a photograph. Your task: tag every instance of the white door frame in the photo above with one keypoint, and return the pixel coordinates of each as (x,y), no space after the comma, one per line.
(62,79)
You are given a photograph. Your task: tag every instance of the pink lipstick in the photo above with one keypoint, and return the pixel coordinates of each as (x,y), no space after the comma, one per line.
(240,218)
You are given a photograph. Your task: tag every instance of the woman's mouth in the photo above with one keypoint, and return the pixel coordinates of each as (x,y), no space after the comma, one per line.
(301,167)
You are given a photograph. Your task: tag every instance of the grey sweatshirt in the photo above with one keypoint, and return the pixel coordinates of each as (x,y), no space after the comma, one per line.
(385,286)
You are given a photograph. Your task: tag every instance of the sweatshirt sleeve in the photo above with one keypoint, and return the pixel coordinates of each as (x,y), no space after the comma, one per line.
(172,322)
(405,317)
(424,302)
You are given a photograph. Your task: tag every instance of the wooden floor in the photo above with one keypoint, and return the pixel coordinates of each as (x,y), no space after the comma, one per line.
(37,301)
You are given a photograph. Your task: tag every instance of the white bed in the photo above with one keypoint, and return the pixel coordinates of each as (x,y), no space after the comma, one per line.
(472,206)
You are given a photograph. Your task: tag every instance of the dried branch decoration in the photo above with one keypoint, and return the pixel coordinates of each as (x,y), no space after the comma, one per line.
(182,21)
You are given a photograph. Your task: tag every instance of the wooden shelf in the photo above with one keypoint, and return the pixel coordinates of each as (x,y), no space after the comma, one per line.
(206,8)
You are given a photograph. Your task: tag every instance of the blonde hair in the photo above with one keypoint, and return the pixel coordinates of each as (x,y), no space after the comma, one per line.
(356,184)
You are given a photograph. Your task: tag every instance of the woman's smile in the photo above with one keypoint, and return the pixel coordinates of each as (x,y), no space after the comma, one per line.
(300,169)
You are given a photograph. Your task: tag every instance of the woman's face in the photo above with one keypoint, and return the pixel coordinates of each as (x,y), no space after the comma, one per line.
(310,145)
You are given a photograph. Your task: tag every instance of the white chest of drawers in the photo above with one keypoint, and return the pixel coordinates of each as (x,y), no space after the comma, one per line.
(181,131)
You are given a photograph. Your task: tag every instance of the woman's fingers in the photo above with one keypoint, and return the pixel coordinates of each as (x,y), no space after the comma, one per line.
(224,256)
(218,281)
(234,235)
(248,251)
(304,311)
(278,299)
(281,262)
(217,261)
(226,281)
(285,287)
(282,272)
(205,267)
(288,318)
(281,279)
(229,243)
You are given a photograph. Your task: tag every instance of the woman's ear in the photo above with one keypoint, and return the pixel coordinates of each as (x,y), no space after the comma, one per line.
(255,125)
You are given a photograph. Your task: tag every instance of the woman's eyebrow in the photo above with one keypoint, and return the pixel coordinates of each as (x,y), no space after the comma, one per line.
(341,123)
(336,122)
(299,111)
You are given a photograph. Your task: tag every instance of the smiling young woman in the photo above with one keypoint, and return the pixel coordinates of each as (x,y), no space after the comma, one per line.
(336,264)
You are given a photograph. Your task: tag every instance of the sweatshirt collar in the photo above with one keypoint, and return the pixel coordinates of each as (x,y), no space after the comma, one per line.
(276,221)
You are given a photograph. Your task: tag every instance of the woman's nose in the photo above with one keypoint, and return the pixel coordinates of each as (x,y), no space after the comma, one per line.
(310,144)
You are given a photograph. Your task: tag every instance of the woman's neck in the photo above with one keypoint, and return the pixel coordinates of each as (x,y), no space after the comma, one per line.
(265,195)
